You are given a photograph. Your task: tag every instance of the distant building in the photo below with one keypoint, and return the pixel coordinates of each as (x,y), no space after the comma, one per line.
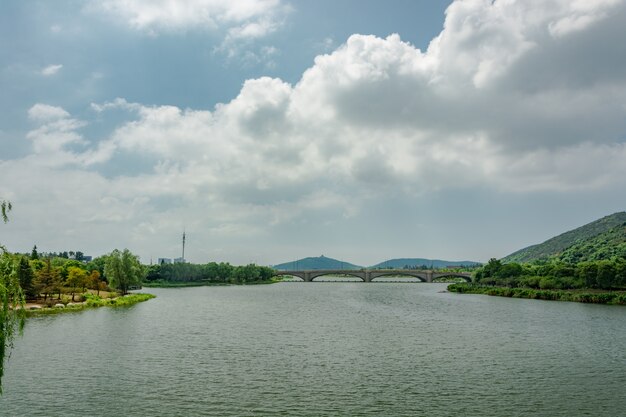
(179,260)
(163,261)
(87,258)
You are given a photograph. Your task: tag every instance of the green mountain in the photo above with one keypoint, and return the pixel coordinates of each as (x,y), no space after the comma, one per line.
(607,245)
(320,262)
(421,262)
(597,240)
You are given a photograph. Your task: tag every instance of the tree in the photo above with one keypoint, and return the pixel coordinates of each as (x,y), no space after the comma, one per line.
(11,298)
(123,270)
(588,272)
(94,281)
(76,278)
(605,277)
(47,280)
(34,255)
(25,277)
(5,208)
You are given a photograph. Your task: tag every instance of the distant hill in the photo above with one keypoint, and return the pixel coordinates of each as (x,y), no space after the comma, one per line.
(600,239)
(320,262)
(607,245)
(420,262)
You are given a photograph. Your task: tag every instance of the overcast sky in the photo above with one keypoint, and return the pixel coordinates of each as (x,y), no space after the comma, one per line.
(276,129)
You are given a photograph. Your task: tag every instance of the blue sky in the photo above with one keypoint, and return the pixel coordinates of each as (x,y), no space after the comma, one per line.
(273,129)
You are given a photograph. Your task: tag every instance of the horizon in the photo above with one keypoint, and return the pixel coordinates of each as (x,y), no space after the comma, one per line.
(272,130)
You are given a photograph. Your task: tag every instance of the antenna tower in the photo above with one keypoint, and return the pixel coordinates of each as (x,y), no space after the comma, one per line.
(183,245)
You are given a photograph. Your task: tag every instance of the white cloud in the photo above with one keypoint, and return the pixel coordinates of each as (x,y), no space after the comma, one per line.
(242,18)
(239,23)
(51,70)
(44,112)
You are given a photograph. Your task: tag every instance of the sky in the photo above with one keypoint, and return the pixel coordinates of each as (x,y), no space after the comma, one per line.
(271,130)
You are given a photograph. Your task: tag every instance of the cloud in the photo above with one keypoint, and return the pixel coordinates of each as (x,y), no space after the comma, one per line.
(240,24)
(379,112)
(241,18)
(51,70)
(44,112)
(504,98)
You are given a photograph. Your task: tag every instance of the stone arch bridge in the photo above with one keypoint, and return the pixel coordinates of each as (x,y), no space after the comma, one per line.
(368,275)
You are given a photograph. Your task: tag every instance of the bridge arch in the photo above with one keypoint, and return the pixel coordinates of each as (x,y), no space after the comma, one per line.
(467,277)
(408,273)
(355,274)
(291,274)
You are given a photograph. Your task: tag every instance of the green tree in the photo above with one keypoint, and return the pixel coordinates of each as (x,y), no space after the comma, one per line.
(606,274)
(588,272)
(47,280)
(11,298)
(25,277)
(34,255)
(5,208)
(123,270)
(97,264)
(76,278)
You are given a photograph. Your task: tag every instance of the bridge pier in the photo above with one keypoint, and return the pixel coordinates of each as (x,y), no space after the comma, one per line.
(429,276)
(367,277)
(307,277)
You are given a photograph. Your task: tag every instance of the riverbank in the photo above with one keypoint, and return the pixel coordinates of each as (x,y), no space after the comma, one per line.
(580,296)
(92,301)
(178,284)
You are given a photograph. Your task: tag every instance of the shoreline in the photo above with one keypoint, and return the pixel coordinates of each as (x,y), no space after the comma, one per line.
(37,309)
(588,296)
(187,284)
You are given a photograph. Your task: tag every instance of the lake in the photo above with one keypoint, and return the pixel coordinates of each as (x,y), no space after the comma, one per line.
(322,349)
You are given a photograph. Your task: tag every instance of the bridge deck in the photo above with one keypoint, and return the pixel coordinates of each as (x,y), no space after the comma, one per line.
(368,275)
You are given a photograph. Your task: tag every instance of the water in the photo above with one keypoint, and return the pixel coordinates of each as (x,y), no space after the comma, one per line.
(322,349)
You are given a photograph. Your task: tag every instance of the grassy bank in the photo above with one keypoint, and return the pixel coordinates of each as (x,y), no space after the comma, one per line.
(93,301)
(580,296)
(183,284)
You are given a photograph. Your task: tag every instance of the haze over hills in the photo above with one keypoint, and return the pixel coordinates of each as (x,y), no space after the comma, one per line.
(323,262)
(600,239)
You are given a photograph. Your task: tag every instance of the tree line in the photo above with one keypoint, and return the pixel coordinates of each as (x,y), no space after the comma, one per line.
(43,277)
(599,274)
(212,272)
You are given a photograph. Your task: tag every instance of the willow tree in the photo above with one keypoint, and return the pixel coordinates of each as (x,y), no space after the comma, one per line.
(123,270)
(5,207)
(11,298)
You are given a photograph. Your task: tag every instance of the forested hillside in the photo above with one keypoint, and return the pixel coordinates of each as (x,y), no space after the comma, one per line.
(592,241)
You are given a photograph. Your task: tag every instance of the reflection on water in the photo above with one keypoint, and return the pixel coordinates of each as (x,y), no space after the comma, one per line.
(327,349)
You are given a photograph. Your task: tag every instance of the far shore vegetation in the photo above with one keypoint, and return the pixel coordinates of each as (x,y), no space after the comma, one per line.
(212,273)
(594,281)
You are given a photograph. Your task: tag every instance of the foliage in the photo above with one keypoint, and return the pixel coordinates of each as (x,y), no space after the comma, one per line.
(211,273)
(92,301)
(5,208)
(11,299)
(608,245)
(123,270)
(542,294)
(593,241)
(47,280)
(604,274)
(34,255)
(26,277)
(76,278)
